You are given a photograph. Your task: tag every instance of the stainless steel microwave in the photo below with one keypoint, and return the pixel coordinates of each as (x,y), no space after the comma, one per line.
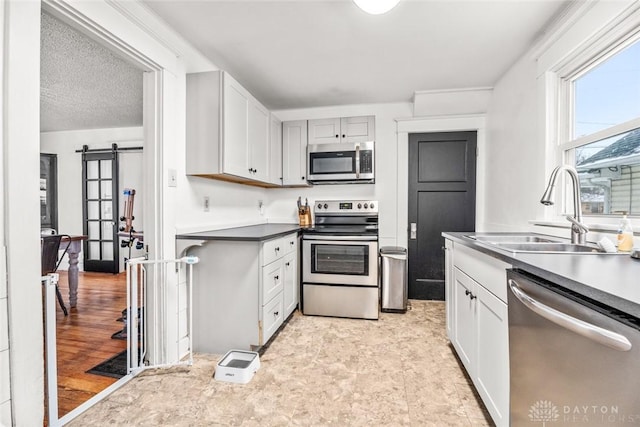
(341,163)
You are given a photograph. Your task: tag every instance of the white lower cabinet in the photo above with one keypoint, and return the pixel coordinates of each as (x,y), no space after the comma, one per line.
(478,326)
(242,292)
(291,287)
(492,357)
(448,286)
(465,334)
(272,281)
(272,317)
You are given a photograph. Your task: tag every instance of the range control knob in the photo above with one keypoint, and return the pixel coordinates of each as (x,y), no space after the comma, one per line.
(359,205)
(326,206)
(319,205)
(371,205)
(366,205)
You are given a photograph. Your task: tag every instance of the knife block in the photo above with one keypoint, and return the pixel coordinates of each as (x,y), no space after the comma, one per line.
(304,216)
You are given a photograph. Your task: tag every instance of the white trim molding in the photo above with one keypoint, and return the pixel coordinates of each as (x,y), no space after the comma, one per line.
(457,123)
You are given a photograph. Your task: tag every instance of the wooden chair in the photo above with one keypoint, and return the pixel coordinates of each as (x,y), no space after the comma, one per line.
(50,261)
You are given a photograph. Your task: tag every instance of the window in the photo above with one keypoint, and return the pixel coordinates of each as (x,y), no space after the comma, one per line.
(603,136)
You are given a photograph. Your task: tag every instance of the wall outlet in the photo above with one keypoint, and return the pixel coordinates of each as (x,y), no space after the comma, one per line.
(206,203)
(172,178)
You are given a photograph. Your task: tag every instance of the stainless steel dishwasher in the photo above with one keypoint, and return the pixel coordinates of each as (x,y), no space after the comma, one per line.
(573,361)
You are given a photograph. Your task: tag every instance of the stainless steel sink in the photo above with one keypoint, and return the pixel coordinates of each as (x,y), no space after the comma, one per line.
(516,238)
(550,248)
(534,243)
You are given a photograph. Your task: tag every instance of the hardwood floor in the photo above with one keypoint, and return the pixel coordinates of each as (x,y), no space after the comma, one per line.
(84,336)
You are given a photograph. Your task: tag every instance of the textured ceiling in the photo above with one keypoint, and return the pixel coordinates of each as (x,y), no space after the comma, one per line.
(305,53)
(83,85)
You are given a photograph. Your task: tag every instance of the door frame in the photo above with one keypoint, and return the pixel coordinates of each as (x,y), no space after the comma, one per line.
(471,122)
(109,23)
(152,160)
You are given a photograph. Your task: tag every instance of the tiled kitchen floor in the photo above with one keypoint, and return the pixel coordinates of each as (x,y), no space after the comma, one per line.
(397,371)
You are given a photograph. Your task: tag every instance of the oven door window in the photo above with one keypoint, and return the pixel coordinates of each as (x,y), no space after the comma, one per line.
(340,259)
(333,162)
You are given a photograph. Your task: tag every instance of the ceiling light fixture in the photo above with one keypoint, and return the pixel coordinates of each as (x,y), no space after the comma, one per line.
(376,7)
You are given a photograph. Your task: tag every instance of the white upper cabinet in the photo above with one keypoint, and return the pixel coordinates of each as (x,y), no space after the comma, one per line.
(259,142)
(275,151)
(228,133)
(346,129)
(294,152)
(235,110)
(324,131)
(358,129)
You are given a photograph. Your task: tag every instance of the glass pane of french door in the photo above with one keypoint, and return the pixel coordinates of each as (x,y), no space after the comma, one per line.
(100,205)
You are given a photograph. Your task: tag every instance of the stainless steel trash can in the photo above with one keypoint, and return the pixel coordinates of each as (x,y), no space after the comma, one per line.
(394,283)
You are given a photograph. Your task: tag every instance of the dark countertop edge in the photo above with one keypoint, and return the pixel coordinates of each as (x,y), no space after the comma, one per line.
(614,301)
(235,233)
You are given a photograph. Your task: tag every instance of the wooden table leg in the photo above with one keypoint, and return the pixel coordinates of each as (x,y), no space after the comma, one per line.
(73,252)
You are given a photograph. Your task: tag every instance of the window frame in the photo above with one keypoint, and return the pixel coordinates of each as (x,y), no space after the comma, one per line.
(564,78)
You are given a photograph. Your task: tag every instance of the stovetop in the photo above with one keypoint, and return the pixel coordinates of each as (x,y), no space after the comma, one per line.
(345,218)
(346,207)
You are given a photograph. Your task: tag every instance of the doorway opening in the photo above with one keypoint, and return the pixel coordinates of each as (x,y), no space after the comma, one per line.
(441,197)
(92,95)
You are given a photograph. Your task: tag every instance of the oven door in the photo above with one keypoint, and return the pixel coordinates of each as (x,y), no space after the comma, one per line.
(340,261)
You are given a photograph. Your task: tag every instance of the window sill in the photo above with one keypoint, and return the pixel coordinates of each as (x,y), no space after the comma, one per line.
(596,227)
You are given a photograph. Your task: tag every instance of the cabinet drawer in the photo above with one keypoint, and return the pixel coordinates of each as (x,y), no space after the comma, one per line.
(272,250)
(272,281)
(290,243)
(272,317)
(488,271)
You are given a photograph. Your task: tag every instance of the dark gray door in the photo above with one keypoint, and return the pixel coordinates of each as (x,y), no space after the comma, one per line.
(442,197)
(99,209)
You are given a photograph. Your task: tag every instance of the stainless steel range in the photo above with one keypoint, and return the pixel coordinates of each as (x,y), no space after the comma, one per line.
(340,260)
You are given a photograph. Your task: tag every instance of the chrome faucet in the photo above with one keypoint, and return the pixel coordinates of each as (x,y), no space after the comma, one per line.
(578,229)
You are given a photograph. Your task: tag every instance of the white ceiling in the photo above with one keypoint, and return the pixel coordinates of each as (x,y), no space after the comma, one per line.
(298,53)
(83,85)
(305,53)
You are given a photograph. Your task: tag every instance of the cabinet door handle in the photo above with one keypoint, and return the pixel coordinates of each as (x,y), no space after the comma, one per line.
(343,135)
(337,136)
(287,264)
(472,296)
(275,313)
(276,277)
(467,292)
(292,243)
(303,178)
(278,248)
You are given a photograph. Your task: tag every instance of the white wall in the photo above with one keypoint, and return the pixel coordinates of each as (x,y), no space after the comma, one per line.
(231,204)
(236,204)
(5,384)
(21,147)
(522,134)
(514,179)
(282,202)
(64,145)
(21,64)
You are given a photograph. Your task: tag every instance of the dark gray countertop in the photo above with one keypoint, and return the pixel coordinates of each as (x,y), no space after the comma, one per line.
(613,279)
(255,233)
